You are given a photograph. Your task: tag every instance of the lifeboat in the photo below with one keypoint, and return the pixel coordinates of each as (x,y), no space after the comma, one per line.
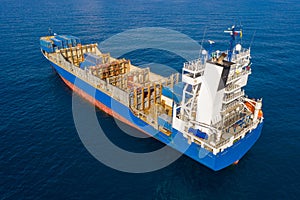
(251,107)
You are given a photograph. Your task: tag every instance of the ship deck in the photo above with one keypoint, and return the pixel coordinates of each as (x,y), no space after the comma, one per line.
(152,76)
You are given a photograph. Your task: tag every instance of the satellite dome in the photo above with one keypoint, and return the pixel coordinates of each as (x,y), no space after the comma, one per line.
(238,47)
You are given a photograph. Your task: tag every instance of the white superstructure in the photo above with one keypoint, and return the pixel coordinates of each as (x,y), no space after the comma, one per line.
(213,99)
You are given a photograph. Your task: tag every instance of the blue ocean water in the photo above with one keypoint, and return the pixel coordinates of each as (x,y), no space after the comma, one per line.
(41,155)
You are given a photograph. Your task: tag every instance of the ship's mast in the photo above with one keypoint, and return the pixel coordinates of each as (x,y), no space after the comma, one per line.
(50,31)
(233,33)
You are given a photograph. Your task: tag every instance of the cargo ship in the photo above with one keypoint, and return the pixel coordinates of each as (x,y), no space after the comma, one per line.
(204,107)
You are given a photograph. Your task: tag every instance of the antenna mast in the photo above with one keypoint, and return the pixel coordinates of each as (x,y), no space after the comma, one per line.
(204,33)
(233,33)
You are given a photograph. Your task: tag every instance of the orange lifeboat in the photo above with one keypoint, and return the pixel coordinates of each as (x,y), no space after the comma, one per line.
(251,107)
(260,114)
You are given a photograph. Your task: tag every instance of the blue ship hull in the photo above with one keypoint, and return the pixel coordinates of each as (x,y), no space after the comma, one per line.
(214,162)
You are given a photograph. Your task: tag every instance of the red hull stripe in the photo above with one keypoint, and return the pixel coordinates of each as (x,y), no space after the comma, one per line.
(99,104)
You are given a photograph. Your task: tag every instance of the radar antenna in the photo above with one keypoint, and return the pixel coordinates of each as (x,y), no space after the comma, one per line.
(233,33)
